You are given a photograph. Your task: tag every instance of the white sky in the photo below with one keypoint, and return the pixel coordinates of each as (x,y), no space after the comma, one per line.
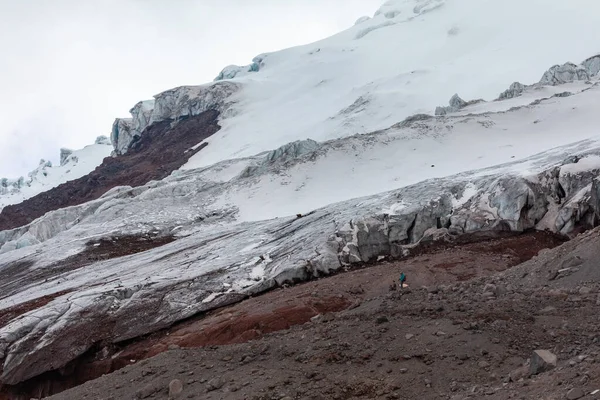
(69,67)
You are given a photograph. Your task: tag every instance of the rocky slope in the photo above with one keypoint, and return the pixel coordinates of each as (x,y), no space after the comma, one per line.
(438,338)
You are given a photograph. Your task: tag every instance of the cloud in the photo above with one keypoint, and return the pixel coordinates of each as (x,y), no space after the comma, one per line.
(69,67)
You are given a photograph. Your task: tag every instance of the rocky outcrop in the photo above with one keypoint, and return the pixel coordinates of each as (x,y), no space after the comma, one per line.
(569,72)
(292,151)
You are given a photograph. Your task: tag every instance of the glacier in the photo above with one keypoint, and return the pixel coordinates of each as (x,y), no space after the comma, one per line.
(233,238)
(330,155)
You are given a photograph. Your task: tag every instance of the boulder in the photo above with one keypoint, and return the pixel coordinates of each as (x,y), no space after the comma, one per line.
(542,361)
(175,389)
(519,373)
(214,384)
(575,393)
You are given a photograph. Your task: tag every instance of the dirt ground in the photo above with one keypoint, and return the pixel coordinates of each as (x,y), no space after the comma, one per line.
(461,330)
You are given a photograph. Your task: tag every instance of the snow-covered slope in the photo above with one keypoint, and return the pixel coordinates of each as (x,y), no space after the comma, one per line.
(409,58)
(413,152)
(73,165)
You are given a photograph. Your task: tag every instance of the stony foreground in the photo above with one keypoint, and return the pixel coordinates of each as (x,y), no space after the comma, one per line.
(438,339)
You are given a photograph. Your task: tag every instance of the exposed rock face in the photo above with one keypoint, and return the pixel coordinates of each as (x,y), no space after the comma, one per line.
(568,72)
(413,119)
(457,103)
(171,105)
(575,393)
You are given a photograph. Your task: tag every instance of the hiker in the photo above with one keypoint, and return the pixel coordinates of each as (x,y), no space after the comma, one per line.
(402,280)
